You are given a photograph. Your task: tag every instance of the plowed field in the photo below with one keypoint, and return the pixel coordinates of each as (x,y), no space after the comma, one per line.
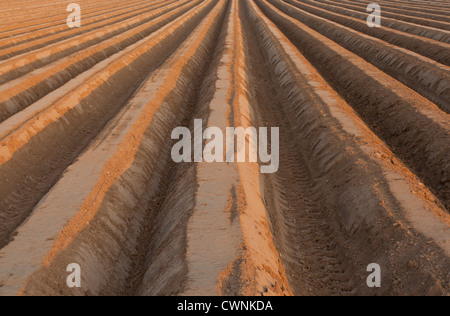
(86,168)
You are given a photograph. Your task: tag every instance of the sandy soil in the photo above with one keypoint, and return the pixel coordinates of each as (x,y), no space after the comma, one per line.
(86,117)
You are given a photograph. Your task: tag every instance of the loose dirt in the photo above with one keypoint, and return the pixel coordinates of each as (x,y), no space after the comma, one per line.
(86,117)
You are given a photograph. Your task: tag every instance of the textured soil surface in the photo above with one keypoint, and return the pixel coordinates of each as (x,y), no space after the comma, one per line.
(87,177)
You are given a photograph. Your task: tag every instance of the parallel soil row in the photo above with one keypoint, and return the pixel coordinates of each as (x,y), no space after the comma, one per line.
(88,121)
(430,79)
(407,122)
(403,16)
(33,40)
(37,84)
(415,29)
(426,47)
(405,10)
(53,131)
(47,22)
(412,7)
(22,64)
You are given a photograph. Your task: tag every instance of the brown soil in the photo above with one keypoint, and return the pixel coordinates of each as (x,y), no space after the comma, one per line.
(86,117)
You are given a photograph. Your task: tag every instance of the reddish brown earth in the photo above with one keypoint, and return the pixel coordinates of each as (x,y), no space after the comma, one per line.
(86,117)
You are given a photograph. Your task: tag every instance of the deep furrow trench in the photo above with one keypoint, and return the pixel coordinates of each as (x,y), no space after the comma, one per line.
(353,170)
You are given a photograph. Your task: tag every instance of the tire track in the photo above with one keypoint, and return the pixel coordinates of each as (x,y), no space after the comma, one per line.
(323,238)
(85,148)
(408,126)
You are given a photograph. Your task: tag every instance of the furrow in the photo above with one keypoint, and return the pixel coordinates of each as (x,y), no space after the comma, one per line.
(415,129)
(18,94)
(432,49)
(18,66)
(438,35)
(409,6)
(42,23)
(423,75)
(133,154)
(396,16)
(52,133)
(404,10)
(34,40)
(342,199)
